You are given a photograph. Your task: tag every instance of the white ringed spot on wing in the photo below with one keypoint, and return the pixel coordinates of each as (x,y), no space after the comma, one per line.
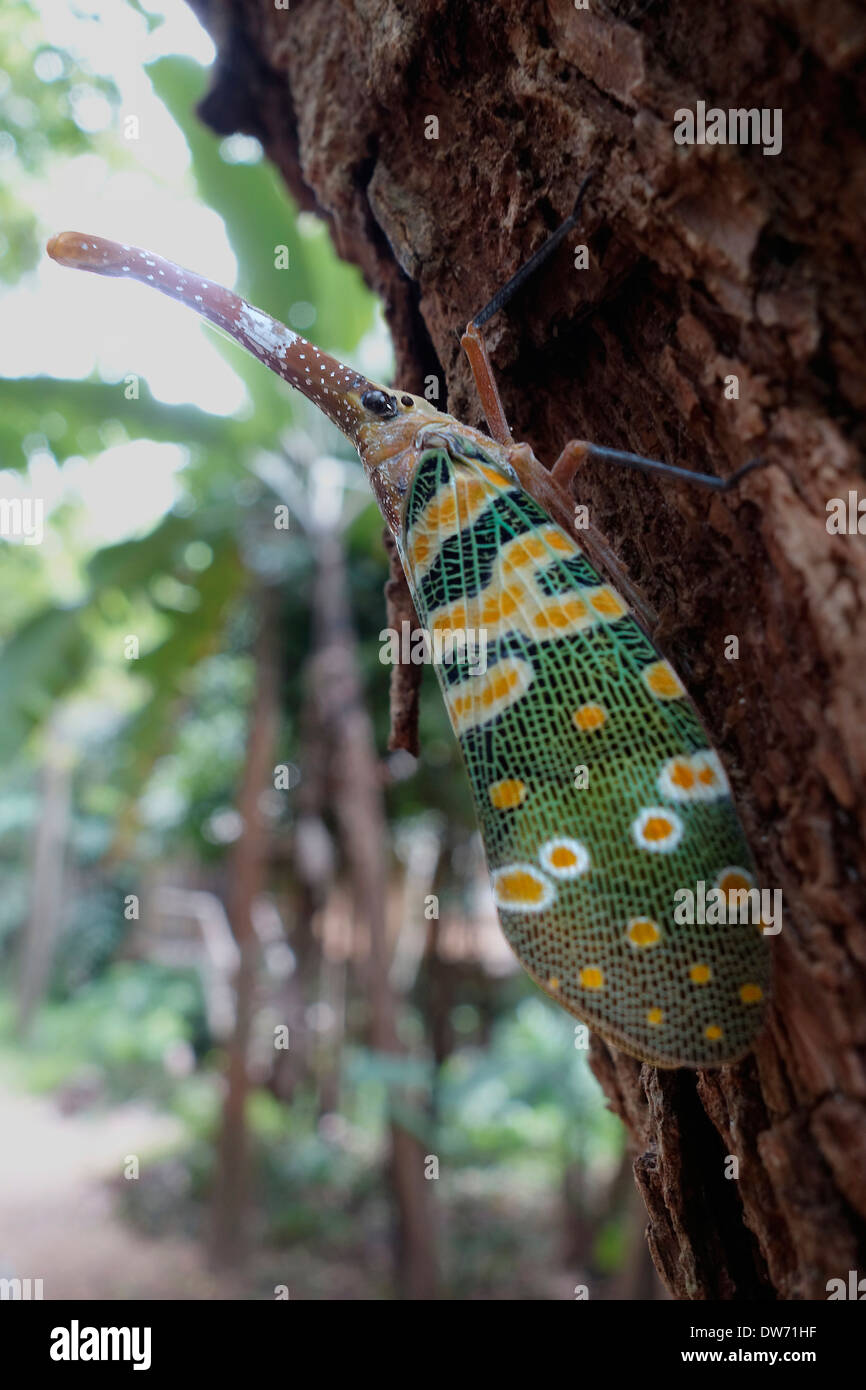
(657,829)
(712,782)
(733,879)
(563,857)
(521,888)
(699,777)
(678,779)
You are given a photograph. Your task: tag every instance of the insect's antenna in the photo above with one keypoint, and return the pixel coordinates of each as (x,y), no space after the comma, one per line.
(510,288)
(472,340)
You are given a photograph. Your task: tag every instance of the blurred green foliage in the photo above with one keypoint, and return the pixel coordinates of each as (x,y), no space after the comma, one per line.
(156,748)
(118,1031)
(41,88)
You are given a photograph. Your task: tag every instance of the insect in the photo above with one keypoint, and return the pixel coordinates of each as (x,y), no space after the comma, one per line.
(598,794)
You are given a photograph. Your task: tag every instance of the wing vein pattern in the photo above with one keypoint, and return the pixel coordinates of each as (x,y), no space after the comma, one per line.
(585,865)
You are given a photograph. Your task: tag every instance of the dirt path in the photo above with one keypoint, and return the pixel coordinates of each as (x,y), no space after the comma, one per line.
(57,1218)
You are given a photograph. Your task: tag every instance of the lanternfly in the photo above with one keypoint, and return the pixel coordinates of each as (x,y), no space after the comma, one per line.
(584,875)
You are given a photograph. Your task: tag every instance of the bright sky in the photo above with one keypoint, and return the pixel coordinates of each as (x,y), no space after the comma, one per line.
(66,324)
(128,487)
(148,206)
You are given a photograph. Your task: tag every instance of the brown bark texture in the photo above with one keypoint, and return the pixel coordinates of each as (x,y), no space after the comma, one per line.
(705,262)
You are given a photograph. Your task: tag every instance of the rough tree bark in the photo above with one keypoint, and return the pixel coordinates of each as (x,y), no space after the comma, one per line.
(705,262)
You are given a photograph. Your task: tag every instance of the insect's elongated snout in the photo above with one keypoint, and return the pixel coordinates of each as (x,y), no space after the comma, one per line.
(336,389)
(381,425)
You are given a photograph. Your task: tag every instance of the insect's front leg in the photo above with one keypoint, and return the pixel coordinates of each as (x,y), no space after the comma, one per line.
(474,346)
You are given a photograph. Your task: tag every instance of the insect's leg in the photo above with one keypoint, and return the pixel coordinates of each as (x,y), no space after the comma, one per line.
(474,346)
(578,452)
(473,343)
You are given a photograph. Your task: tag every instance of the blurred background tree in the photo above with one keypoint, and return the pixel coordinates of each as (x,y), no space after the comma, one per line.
(217,887)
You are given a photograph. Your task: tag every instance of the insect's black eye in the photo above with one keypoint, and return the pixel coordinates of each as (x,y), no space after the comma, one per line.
(379,403)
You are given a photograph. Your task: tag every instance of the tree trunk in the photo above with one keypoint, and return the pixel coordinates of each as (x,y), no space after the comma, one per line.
(47,900)
(706,263)
(246,880)
(355,780)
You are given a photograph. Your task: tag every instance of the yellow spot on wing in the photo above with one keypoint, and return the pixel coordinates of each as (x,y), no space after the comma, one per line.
(521,888)
(558,615)
(642,932)
(663,681)
(507,793)
(455,505)
(607,602)
(657,829)
(495,610)
(498,605)
(478,699)
(700,974)
(589,717)
(493,475)
(700,777)
(521,552)
(526,552)
(452,619)
(564,857)
(592,977)
(421,548)
(682,775)
(711,779)
(734,880)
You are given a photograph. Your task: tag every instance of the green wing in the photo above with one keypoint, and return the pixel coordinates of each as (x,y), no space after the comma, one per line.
(598,795)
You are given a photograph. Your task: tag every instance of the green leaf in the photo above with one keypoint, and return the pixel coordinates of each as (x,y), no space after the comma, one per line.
(42,661)
(71,413)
